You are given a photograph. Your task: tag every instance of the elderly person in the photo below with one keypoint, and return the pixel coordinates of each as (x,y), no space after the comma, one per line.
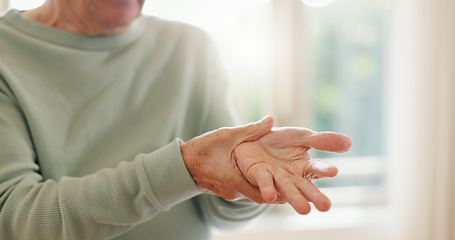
(113,125)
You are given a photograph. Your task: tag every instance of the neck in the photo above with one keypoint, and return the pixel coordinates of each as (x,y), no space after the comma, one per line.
(62,15)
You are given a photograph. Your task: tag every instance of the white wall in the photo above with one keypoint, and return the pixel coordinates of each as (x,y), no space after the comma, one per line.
(3,5)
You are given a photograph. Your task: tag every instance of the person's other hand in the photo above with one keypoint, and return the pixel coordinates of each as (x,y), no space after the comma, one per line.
(210,160)
(279,165)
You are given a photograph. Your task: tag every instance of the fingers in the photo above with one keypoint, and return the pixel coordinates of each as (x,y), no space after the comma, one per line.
(285,137)
(317,169)
(292,194)
(295,190)
(327,142)
(266,185)
(282,186)
(299,192)
(314,195)
(252,131)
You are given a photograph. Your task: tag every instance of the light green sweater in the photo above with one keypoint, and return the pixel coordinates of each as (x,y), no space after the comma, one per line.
(90,130)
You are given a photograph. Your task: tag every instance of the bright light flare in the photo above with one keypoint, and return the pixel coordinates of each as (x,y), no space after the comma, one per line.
(317,3)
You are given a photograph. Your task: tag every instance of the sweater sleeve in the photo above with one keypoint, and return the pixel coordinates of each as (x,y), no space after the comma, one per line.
(98,206)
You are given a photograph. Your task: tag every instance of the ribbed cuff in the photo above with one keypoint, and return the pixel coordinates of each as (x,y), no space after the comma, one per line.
(169,178)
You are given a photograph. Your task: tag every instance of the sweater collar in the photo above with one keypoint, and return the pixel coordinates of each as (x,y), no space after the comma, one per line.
(74,40)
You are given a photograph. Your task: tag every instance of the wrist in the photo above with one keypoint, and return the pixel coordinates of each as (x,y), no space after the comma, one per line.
(189,158)
(185,151)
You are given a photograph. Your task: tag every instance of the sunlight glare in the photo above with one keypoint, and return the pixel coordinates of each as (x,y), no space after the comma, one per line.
(317,3)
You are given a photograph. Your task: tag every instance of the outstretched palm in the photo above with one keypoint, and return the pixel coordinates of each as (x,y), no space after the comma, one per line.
(279,164)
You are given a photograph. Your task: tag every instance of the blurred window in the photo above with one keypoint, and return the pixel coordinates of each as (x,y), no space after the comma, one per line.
(347,62)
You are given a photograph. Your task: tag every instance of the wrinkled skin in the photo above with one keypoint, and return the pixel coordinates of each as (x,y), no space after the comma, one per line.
(210,160)
(264,165)
(280,166)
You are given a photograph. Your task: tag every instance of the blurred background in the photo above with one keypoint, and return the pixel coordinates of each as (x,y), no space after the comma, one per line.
(380,71)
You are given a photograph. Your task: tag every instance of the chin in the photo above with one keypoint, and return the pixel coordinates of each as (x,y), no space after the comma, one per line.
(118,15)
(122,19)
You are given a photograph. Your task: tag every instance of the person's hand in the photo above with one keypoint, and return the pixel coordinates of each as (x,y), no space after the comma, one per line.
(210,160)
(279,165)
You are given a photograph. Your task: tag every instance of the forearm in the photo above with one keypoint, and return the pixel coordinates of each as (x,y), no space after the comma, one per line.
(98,206)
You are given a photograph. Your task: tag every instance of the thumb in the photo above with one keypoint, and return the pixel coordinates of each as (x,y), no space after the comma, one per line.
(253,131)
(327,142)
